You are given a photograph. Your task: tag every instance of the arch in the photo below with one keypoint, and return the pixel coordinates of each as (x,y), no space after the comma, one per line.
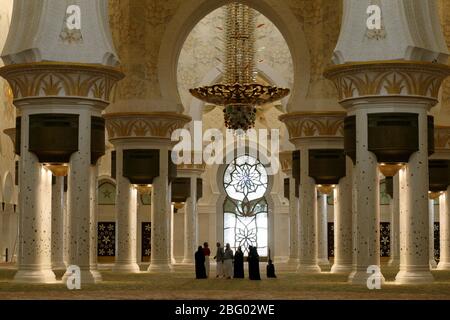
(106,191)
(192,11)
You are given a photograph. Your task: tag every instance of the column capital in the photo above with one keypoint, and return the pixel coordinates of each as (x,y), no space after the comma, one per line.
(441,142)
(144,125)
(396,78)
(56,80)
(286,162)
(315,127)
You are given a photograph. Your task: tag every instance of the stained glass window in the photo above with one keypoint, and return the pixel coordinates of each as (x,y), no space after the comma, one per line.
(245,208)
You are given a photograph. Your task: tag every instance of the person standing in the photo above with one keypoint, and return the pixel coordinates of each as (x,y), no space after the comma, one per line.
(207,254)
(228,262)
(200,271)
(239,264)
(253,264)
(219,261)
(270,270)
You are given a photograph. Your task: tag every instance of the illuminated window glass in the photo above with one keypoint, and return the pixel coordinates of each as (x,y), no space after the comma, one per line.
(245,208)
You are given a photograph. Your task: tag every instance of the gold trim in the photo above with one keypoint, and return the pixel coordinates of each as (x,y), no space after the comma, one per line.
(309,125)
(65,65)
(383,63)
(173,115)
(388,78)
(61,79)
(144,125)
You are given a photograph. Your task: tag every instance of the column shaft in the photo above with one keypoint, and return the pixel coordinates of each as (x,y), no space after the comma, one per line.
(433,263)
(293,223)
(35,221)
(343,210)
(322,231)
(444,231)
(308,219)
(58,227)
(190,225)
(160,256)
(394,260)
(366,232)
(414,220)
(126,220)
(79,203)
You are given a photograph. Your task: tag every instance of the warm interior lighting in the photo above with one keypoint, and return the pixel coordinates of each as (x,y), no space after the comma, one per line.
(325,188)
(433,195)
(143,188)
(178,205)
(58,169)
(390,169)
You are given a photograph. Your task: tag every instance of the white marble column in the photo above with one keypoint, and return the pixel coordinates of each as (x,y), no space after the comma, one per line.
(366,226)
(160,258)
(322,231)
(190,224)
(343,215)
(35,221)
(66,230)
(433,263)
(414,220)
(93,226)
(293,223)
(126,220)
(58,227)
(444,231)
(307,218)
(394,260)
(79,203)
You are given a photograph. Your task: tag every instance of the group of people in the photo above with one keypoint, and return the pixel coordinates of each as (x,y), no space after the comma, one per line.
(229,264)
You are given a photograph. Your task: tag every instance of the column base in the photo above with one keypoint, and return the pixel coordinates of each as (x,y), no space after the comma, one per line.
(341,268)
(443,266)
(159,268)
(394,262)
(433,264)
(323,262)
(293,261)
(126,268)
(308,268)
(87,277)
(35,277)
(414,277)
(59,266)
(361,277)
(188,261)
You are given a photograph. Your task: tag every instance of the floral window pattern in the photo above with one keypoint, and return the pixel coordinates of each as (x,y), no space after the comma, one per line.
(106,239)
(146,241)
(436,241)
(245,208)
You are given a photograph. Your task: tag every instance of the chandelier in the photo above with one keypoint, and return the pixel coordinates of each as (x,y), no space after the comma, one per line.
(239,94)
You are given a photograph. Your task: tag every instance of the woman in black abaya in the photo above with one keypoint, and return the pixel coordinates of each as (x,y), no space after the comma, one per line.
(200,270)
(239,264)
(253,264)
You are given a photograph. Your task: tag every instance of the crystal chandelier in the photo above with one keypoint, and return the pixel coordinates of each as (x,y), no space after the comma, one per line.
(239,94)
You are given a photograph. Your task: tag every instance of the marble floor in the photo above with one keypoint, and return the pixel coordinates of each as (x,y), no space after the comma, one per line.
(181,285)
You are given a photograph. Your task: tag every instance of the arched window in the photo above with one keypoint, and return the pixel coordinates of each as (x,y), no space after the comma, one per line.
(106,193)
(245,207)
